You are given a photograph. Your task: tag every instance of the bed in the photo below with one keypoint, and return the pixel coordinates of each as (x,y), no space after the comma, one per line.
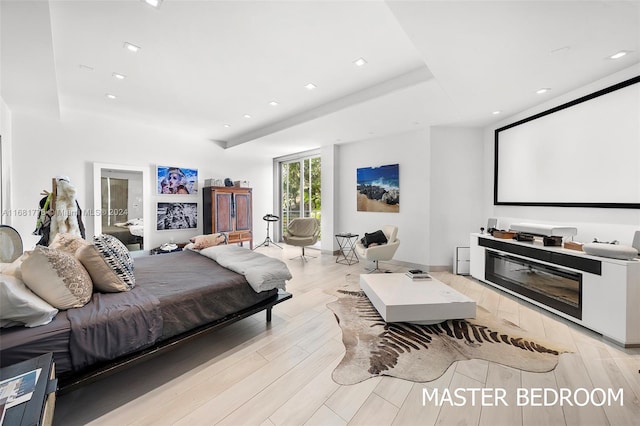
(176,297)
(129,233)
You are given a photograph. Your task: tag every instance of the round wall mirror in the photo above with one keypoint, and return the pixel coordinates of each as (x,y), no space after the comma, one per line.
(10,244)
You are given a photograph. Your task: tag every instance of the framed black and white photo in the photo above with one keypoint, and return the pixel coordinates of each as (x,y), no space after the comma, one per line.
(177,216)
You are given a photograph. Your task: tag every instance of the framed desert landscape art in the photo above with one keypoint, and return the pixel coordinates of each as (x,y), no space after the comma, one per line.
(378,188)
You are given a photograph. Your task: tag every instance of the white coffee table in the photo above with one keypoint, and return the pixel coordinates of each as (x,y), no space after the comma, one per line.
(398,298)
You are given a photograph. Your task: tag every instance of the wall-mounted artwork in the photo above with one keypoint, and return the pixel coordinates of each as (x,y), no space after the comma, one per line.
(176,180)
(378,189)
(177,216)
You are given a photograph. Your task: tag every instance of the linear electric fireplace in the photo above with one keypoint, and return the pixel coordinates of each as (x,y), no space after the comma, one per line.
(557,288)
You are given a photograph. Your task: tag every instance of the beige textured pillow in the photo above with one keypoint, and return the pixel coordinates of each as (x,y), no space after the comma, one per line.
(13,268)
(57,277)
(68,243)
(103,276)
(203,241)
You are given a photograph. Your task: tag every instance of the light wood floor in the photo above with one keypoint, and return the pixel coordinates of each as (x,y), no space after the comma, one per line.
(253,373)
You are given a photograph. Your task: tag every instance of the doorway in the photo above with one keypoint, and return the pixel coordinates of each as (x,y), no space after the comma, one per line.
(119,194)
(300,189)
(2,212)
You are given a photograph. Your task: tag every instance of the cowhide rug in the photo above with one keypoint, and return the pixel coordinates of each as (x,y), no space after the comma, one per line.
(423,353)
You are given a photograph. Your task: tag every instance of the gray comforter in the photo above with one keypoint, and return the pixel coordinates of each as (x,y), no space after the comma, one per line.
(112,325)
(175,293)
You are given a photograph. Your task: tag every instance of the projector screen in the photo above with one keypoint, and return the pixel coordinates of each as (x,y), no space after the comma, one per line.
(585,153)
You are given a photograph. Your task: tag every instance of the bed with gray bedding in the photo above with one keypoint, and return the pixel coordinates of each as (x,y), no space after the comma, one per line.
(176,295)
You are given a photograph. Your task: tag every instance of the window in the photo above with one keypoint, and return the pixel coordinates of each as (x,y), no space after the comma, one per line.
(300,190)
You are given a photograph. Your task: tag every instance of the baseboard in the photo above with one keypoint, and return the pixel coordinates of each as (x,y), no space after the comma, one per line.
(330,253)
(409,265)
(441,268)
(430,268)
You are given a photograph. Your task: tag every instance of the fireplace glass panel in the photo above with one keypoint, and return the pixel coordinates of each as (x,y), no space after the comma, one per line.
(557,288)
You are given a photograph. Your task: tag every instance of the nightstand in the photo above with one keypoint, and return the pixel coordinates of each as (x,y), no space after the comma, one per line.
(159,250)
(39,409)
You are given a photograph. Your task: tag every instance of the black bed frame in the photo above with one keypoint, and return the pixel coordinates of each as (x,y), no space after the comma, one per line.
(70,381)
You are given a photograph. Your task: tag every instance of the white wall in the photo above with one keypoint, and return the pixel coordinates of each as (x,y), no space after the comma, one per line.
(456,190)
(602,223)
(5,132)
(411,152)
(44,147)
(329,183)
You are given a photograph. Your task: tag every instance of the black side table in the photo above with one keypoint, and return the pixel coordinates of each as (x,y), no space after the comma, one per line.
(347,253)
(160,250)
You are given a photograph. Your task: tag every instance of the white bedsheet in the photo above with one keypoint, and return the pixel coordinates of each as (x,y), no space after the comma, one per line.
(262,272)
(136,226)
(137,230)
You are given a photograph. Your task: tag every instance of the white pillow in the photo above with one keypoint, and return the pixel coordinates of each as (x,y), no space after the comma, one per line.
(57,277)
(13,268)
(20,305)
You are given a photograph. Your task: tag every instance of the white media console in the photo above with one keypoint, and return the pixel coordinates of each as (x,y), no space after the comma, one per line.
(599,293)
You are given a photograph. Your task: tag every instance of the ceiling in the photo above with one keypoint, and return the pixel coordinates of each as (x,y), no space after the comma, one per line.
(203,65)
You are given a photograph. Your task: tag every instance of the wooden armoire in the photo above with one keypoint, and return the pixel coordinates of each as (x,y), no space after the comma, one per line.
(228,209)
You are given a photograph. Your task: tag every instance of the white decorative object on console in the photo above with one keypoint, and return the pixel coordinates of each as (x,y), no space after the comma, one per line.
(614,251)
(545,230)
(636,241)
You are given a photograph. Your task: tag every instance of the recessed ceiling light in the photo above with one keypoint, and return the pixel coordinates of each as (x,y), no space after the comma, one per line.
(85,67)
(118,76)
(153,3)
(227,125)
(618,55)
(110,96)
(496,112)
(360,62)
(246,116)
(310,86)
(131,47)
(542,90)
(273,103)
